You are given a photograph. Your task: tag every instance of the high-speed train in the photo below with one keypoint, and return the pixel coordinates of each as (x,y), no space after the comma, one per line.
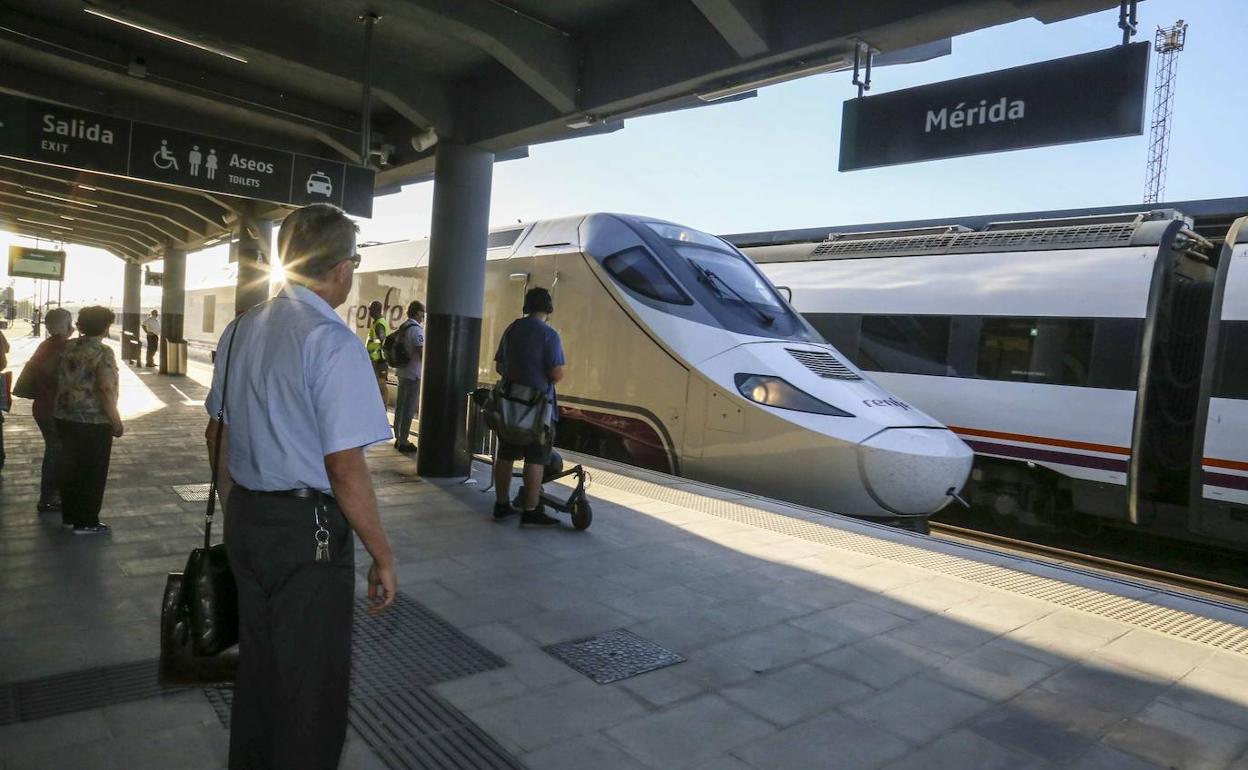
(1096,361)
(682,357)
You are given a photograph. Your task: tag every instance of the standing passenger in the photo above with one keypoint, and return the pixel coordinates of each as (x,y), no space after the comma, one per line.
(44,364)
(292,476)
(87,420)
(530,353)
(377,331)
(4,364)
(151,325)
(406,403)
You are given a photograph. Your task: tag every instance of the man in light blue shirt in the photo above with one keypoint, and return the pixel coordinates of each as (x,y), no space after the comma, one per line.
(298,412)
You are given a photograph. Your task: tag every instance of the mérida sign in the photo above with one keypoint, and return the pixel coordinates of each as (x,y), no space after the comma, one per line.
(1097,95)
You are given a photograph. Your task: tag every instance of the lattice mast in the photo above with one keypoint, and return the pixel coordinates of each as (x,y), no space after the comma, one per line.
(1167,42)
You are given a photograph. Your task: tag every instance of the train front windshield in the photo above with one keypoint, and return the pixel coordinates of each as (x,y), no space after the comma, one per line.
(737,292)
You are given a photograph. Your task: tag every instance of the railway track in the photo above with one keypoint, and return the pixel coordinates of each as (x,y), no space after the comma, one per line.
(1208,589)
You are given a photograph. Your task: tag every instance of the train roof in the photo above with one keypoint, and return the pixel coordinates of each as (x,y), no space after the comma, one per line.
(1210,218)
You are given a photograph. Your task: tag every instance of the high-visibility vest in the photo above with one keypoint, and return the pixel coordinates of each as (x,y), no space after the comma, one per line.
(378,330)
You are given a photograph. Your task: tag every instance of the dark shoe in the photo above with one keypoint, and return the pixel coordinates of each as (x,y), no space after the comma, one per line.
(406,447)
(537,518)
(48,507)
(503,511)
(91,529)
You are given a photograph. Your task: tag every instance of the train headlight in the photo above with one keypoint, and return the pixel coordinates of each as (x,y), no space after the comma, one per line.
(772,391)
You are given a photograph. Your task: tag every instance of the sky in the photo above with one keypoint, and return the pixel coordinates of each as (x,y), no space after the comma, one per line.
(769,163)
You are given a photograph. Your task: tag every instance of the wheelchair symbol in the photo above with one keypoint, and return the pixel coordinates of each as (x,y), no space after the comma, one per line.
(163,158)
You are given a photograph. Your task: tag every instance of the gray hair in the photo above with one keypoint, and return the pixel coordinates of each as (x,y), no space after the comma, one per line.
(58,320)
(315,238)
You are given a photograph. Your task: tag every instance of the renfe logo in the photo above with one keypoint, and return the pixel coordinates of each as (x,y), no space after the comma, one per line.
(77,129)
(886,402)
(961,117)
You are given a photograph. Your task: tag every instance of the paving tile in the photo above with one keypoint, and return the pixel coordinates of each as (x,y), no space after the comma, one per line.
(483,689)
(154,714)
(592,751)
(880,662)
(689,733)
(793,694)
(550,716)
(993,672)
(849,623)
(1213,692)
(1172,737)
(1000,611)
(1154,654)
(830,741)
(1106,687)
(1051,727)
(663,601)
(962,750)
(917,709)
(43,735)
(1103,757)
(773,647)
(702,672)
(569,623)
(942,634)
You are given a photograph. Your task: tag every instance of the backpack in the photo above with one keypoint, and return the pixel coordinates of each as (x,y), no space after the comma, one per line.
(393,350)
(519,414)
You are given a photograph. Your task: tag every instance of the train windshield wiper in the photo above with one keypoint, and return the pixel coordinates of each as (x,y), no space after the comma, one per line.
(712,278)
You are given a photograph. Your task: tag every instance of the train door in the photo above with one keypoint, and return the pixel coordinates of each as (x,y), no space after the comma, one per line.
(1176,367)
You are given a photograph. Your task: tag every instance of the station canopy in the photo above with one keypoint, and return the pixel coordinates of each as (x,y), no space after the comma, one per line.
(197,88)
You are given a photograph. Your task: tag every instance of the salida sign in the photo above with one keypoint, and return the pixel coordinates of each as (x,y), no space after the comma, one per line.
(1096,95)
(47,133)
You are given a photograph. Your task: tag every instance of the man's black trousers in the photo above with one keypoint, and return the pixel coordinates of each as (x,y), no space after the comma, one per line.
(85,452)
(152,342)
(290,699)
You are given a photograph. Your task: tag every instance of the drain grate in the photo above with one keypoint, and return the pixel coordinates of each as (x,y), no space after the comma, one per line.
(78,691)
(192,493)
(613,655)
(417,729)
(812,526)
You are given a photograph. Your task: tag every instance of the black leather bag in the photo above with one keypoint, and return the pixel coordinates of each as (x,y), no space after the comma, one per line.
(199,613)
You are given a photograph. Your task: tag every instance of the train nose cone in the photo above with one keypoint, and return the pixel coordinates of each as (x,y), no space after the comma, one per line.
(910,470)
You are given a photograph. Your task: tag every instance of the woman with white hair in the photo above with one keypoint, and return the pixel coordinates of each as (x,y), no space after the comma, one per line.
(43,366)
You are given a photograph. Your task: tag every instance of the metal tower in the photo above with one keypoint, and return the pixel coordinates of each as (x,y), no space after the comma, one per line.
(1167,42)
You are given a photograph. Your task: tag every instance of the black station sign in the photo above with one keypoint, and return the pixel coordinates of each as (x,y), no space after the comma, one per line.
(47,133)
(1097,95)
(41,264)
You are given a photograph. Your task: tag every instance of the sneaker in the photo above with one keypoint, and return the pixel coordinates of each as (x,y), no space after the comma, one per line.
(537,518)
(503,511)
(406,447)
(91,529)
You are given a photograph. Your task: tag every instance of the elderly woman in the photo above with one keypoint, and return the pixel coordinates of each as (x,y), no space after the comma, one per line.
(43,365)
(87,420)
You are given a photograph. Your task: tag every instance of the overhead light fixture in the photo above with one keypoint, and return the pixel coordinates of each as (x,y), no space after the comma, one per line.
(143,27)
(85,187)
(61,198)
(43,224)
(70,219)
(834,65)
(581,121)
(425,139)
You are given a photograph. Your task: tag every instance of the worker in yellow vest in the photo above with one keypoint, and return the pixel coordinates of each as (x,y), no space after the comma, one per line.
(378,329)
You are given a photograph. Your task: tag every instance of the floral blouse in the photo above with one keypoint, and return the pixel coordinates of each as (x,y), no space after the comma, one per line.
(77,399)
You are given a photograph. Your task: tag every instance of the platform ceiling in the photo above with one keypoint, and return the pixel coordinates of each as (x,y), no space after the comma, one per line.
(501,74)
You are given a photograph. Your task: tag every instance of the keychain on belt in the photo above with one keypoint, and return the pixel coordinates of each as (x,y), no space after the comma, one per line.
(322,534)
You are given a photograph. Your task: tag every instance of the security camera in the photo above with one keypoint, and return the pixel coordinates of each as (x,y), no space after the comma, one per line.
(425,139)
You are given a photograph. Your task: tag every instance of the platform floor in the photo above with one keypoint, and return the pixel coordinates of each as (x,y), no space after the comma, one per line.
(810,641)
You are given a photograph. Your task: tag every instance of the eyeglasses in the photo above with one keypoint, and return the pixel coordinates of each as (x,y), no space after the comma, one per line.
(355,260)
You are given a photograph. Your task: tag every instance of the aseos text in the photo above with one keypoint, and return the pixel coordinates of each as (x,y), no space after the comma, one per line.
(962,116)
(247,164)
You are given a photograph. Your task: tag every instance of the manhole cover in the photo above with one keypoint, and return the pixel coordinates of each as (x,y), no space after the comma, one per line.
(192,493)
(613,655)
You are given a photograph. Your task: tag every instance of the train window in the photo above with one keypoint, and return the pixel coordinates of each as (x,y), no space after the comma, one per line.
(1232,379)
(909,344)
(840,330)
(503,238)
(1049,350)
(1116,353)
(210,314)
(637,269)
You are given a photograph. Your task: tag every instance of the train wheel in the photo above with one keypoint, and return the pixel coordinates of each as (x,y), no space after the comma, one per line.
(582,514)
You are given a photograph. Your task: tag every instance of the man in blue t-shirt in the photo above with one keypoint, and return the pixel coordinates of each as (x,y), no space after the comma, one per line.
(530,353)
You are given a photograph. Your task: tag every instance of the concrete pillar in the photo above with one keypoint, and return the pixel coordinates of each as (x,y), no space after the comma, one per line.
(131,310)
(252,242)
(172,303)
(456,294)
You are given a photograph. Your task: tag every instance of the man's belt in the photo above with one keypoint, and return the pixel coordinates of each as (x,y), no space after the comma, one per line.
(302,493)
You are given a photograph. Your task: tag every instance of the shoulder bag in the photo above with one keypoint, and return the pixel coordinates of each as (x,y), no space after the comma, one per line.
(519,414)
(199,614)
